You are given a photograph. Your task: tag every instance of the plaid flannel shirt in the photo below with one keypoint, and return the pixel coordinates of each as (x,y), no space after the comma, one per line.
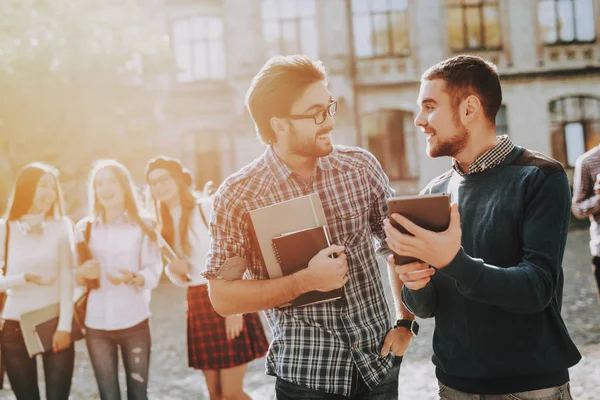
(315,346)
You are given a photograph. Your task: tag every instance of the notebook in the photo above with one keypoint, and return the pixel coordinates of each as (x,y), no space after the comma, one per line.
(38,327)
(288,216)
(294,251)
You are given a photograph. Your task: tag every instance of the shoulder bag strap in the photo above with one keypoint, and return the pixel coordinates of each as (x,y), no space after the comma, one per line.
(7,234)
(87,232)
(202,215)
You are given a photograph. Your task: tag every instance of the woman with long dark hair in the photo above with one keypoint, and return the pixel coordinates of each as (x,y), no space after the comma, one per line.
(37,243)
(125,258)
(220,347)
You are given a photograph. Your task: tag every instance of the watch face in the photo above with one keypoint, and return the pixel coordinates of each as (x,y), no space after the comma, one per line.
(414,328)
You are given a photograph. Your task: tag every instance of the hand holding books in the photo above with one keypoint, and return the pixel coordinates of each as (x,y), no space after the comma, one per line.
(325,273)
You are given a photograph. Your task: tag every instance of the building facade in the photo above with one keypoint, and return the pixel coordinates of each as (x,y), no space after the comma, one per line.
(547,53)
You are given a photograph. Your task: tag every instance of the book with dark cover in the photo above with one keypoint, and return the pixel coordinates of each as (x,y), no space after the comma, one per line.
(294,251)
(44,332)
(38,327)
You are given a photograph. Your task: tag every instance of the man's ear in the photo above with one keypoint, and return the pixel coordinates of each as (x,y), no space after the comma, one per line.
(279,125)
(471,108)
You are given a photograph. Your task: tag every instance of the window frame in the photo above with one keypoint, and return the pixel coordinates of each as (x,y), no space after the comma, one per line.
(297,20)
(563,119)
(560,42)
(388,13)
(191,41)
(480,5)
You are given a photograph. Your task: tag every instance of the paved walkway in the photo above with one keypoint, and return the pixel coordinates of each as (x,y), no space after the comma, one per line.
(171,379)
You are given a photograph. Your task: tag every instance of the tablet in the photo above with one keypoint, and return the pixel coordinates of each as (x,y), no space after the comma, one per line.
(431,212)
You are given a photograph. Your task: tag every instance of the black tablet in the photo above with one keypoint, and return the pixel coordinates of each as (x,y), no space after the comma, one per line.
(431,212)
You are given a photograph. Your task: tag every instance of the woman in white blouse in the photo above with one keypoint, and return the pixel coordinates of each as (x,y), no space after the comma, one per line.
(220,346)
(39,272)
(126,261)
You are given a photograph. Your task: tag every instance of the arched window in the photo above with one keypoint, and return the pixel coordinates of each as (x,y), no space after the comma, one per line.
(575,127)
(390,136)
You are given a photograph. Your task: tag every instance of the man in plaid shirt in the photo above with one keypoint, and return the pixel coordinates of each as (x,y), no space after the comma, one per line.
(345,348)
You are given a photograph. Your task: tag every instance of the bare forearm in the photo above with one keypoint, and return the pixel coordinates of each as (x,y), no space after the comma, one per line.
(230,297)
(401,311)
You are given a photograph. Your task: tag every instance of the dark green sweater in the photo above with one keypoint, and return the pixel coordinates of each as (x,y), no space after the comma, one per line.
(498,327)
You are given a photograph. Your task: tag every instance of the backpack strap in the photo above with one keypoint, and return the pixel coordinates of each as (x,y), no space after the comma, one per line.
(203,216)
(6,235)
(87,232)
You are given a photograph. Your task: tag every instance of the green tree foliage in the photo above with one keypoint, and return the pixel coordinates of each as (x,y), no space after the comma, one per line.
(78,81)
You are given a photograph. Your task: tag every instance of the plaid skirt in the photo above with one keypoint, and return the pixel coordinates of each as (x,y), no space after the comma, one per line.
(207,344)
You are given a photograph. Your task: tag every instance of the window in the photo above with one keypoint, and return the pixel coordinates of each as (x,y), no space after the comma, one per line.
(473,25)
(290,27)
(501,121)
(575,127)
(199,48)
(380,28)
(391,138)
(566,21)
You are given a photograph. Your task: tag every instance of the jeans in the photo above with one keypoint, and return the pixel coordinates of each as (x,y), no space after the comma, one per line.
(556,393)
(135,345)
(22,370)
(596,272)
(386,390)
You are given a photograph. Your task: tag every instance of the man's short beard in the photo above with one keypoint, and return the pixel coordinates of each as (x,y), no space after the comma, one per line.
(454,145)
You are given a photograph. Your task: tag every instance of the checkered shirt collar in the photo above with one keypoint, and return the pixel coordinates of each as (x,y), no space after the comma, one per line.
(490,159)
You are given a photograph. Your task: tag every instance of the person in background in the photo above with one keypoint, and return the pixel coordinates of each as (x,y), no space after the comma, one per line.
(39,272)
(126,260)
(220,346)
(586,202)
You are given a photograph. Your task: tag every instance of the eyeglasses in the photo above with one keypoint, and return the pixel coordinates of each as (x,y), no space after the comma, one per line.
(161,180)
(320,116)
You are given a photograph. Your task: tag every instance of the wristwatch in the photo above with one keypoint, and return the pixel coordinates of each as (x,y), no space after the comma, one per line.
(411,324)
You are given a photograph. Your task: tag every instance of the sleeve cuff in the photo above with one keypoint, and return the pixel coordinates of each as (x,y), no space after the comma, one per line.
(12,281)
(176,279)
(464,269)
(64,325)
(233,269)
(150,281)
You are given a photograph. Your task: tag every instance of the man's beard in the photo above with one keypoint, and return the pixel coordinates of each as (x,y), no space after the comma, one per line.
(309,147)
(452,146)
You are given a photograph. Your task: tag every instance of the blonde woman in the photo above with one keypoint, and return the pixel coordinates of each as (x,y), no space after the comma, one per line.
(125,258)
(37,246)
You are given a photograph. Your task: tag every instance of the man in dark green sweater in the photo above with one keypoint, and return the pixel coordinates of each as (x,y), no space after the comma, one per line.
(493,280)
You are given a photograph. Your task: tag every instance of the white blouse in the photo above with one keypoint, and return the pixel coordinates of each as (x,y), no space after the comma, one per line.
(43,247)
(120,245)
(198,236)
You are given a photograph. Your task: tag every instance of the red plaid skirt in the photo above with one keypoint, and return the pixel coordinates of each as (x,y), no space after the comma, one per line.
(208,347)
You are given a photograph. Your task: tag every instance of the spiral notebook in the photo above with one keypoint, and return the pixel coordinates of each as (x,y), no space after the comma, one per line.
(294,251)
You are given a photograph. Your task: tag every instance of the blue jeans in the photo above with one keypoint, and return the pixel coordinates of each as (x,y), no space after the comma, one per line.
(135,345)
(386,390)
(556,393)
(22,370)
